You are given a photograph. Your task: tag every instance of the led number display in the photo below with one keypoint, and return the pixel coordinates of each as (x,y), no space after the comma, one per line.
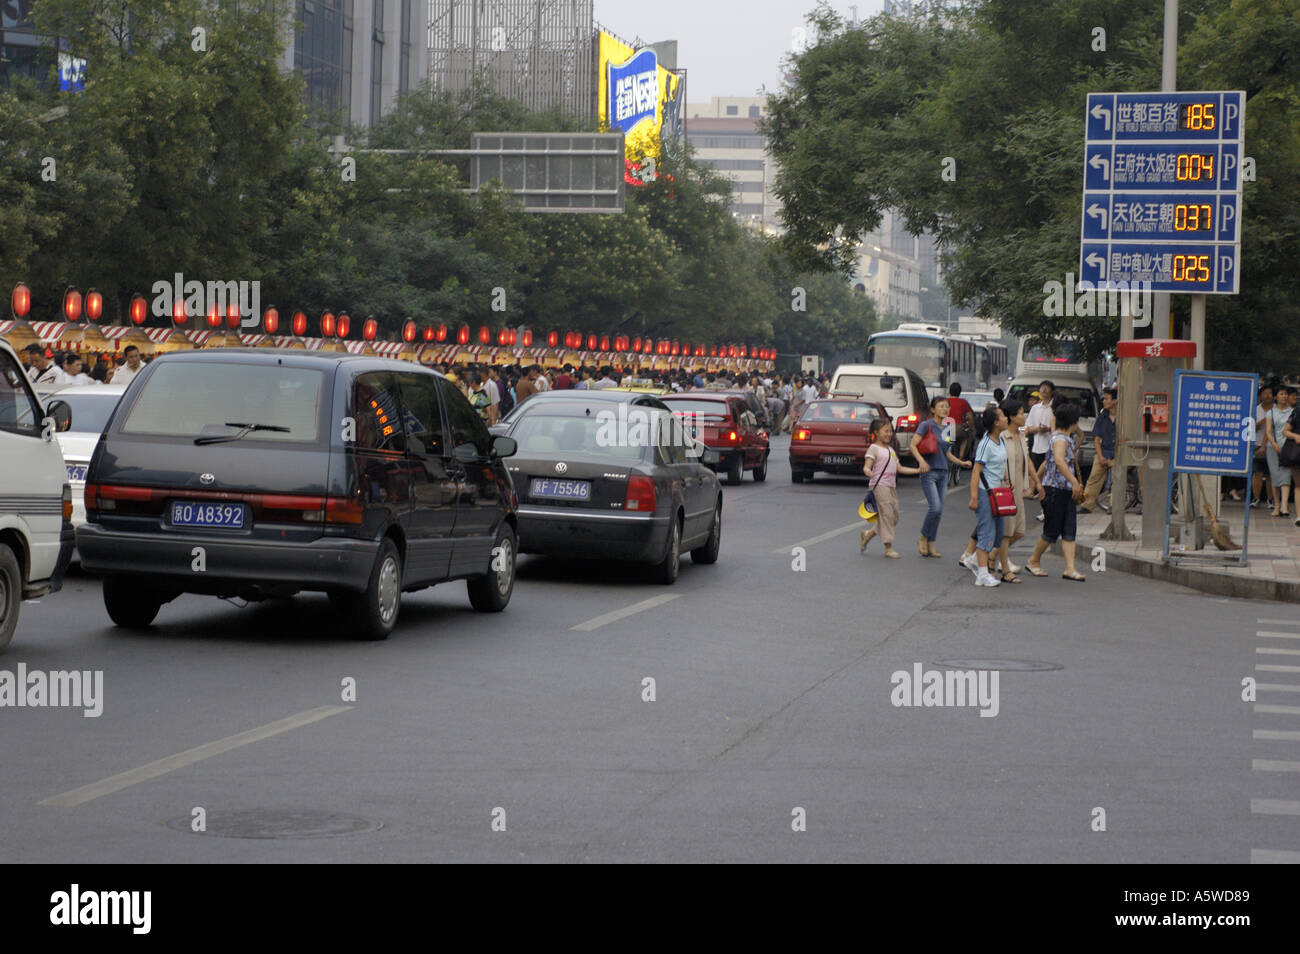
(1194,167)
(1191,268)
(1194,217)
(1198,116)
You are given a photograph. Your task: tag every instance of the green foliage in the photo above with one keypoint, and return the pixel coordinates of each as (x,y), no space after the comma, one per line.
(206,162)
(1000,88)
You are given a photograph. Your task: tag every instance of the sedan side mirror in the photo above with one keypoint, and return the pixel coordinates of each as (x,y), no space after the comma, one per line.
(503,446)
(61,412)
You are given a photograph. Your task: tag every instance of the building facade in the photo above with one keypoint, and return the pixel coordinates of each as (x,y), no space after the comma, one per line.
(357,57)
(724,135)
(538,52)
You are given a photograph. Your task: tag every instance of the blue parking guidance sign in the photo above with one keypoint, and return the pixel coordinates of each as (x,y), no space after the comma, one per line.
(1214,422)
(1162,192)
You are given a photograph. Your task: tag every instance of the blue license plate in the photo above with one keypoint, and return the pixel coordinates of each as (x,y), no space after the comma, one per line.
(76,471)
(551,489)
(194,514)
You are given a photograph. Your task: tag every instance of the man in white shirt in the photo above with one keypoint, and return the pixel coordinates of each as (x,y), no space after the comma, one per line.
(72,370)
(605,381)
(127,372)
(1260,489)
(43,371)
(493,386)
(543,382)
(1038,428)
(809,392)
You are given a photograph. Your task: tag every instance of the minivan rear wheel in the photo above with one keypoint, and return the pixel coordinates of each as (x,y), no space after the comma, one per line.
(372,614)
(11,594)
(490,593)
(129,603)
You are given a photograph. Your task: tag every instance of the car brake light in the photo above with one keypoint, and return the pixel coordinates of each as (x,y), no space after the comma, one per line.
(67,502)
(345,510)
(107,496)
(732,437)
(640,494)
(803,434)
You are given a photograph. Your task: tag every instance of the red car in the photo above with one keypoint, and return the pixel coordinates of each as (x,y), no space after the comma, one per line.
(832,436)
(733,439)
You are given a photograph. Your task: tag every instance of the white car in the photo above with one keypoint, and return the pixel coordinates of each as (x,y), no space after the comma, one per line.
(91,405)
(36,535)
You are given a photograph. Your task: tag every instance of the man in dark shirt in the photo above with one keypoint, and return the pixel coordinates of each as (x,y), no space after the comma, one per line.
(1103,442)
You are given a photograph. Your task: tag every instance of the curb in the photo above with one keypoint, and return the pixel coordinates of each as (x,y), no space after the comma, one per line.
(1205,581)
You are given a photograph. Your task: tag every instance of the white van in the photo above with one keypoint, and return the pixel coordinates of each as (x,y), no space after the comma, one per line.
(36,535)
(901,391)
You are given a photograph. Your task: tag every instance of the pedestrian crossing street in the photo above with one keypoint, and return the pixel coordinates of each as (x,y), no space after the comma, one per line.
(1277,707)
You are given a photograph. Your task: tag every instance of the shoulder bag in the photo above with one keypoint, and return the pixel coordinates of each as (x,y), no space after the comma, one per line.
(930,442)
(1001,499)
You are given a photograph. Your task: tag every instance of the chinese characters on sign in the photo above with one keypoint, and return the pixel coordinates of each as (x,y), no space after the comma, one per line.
(1214,428)
(1185,237)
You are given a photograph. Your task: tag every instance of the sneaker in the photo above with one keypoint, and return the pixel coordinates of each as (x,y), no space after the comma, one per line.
(987,579)
(1039,518)
(971,562)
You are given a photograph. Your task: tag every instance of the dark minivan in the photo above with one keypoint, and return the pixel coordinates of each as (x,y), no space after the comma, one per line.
(259,473)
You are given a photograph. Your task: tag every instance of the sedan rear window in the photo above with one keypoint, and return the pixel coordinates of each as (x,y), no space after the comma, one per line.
(718,409)
(190,399)
(605,435)
(839,411)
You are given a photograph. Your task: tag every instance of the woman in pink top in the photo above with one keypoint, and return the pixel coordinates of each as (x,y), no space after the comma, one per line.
(883,468)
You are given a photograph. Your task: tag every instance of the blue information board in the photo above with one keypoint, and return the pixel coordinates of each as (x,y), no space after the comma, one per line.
(1162,191)
(1214,422)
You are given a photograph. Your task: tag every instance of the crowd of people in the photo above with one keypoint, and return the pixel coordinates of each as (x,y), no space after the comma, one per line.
(47,368)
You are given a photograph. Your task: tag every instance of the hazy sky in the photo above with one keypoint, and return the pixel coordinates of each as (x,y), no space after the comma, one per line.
(728,47)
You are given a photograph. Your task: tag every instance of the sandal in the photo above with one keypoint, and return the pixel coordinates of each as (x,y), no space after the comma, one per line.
(1035,570)
(1076,577)
(1010,578)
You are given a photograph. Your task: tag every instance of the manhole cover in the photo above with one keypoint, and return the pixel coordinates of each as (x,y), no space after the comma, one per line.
(1013,665)
(278,823)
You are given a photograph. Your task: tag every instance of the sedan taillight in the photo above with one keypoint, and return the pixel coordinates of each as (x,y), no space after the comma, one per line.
(803,434)
(641,495)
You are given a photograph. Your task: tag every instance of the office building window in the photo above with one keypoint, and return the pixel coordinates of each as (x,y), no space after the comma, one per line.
(733,110)
(733,165)
(322,54)
(404,79)
(753,112)
(377,62)
(754,141)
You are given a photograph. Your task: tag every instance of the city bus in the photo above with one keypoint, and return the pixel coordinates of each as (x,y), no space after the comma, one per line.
(941,358)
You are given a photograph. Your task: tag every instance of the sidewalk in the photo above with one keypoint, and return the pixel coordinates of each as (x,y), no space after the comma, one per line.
(1274,553)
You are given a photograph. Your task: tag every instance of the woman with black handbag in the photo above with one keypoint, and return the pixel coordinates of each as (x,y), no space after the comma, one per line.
(1289,455)
(1064,490)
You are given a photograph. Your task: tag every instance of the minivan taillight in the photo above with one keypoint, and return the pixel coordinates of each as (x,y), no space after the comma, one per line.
(344,510)
(640,495)
(116,497)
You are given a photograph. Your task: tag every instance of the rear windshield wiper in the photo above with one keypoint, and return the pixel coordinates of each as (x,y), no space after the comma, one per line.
(243,430)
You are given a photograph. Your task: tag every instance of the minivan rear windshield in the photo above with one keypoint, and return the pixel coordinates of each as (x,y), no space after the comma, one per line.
(192,399)
(868,387)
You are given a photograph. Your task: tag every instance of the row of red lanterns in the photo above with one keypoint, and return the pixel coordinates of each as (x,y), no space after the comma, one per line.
(340,326)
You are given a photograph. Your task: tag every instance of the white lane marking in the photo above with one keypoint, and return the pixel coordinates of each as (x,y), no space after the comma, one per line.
(855,525)
(1280,735)
(624,613)
(1274,806)
(115,783)
(1281,710)
(1272,856)
(1264,667)
(1278,687)
(1268,635)
(1277,652)
(1273,765)
(1278,622)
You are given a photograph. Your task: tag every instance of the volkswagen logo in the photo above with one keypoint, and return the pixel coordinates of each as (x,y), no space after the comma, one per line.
(207,478)
(561,468)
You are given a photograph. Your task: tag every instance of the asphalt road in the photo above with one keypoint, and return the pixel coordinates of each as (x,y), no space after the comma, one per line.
(772,693)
